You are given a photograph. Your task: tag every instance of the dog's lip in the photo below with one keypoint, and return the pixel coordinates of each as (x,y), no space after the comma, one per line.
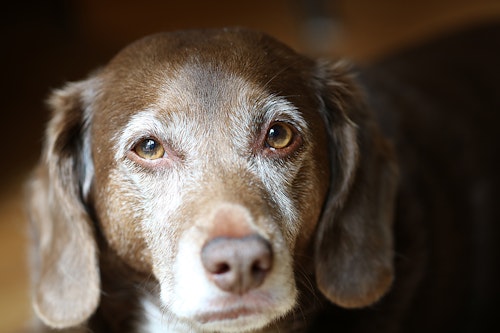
(227,314)
(233,308)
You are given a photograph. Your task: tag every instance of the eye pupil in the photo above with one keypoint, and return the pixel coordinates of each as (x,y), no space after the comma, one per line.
(149,149)
(280,135)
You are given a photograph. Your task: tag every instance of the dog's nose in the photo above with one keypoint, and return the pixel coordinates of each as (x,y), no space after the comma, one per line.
(237,264)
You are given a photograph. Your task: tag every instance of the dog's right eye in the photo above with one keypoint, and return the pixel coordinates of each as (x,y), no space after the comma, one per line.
(149,149)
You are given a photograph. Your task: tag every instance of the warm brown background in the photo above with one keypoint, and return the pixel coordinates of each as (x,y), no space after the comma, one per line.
(45,43)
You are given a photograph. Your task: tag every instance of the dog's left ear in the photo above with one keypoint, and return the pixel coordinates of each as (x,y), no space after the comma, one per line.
(353,245)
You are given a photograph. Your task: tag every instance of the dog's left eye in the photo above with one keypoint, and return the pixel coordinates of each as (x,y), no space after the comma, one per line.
(149,149)
(280,135)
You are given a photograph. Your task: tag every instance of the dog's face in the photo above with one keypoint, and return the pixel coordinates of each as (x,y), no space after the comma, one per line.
(206,160)
(203,149)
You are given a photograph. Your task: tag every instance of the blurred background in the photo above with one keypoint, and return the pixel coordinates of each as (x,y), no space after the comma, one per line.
(46,43)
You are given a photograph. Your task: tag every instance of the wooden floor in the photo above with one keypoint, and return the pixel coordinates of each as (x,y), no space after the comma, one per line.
(14,302)
(367,31)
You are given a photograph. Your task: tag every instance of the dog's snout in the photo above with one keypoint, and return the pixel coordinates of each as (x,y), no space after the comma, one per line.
(237,264)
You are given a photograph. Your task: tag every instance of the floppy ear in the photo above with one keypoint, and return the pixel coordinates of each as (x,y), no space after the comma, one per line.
(353,245)
(66,281)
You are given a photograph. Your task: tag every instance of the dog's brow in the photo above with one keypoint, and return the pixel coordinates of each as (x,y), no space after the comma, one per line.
(148,123)
(279,107)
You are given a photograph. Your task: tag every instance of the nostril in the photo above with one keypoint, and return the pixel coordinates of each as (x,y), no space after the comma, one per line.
(256,267)
(261,265)
(221,268)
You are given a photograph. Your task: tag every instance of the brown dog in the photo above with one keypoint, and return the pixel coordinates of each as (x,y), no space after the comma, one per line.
(216,181)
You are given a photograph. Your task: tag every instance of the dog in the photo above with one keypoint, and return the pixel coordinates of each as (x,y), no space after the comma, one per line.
(218,181)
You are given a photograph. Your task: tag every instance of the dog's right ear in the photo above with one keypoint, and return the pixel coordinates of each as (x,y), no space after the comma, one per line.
(66,282)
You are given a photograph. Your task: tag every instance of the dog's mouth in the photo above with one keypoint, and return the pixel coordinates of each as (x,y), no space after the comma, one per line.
(240,318)
(226,315)
(243,314)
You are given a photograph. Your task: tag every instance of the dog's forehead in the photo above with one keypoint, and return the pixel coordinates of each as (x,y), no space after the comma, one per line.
(255,57)
(205,69)
(239,50)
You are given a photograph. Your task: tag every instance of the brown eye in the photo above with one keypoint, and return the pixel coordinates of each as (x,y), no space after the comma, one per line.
(280,136)
(149,149)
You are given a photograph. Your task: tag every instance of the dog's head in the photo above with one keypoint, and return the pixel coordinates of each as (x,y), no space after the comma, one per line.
(215,161)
